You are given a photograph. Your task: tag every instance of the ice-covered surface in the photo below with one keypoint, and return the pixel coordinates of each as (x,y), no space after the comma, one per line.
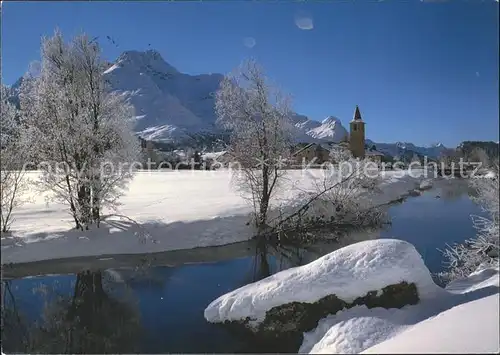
(444,315)
(178,209)
(348,273)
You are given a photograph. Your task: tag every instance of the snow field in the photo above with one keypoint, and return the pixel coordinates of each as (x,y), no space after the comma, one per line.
(175,209)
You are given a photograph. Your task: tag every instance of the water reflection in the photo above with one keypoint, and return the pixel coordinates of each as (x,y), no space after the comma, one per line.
(91,319)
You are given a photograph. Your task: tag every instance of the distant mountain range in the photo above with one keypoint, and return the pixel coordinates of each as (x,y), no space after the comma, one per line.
(174,107)
(403,149)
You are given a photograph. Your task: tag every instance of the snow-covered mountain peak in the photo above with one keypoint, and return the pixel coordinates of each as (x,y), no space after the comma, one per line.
(147,60)
(331,129)
(331,120)
(307,124)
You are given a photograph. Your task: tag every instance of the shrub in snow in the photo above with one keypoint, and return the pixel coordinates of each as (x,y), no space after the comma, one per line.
(483,249)
(78,130)
(379,273)
(340,199)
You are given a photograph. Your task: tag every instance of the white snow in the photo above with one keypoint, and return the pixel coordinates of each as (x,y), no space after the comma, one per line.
(159,132)
(352,330)
(111,68)
(348,273)
(490,175)
(471,328)
(426,184)
(480,279)
(177,209)
(437,319)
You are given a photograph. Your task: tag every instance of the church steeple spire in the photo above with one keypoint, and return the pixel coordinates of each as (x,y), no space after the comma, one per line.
(357,135)
(357,114)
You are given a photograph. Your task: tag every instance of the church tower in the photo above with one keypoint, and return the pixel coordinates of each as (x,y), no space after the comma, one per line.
(357,135)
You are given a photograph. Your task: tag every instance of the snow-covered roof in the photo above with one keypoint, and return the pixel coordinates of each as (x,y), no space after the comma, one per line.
(316,145)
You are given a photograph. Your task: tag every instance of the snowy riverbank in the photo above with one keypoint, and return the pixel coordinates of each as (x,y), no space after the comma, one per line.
(175,209)
(366,298)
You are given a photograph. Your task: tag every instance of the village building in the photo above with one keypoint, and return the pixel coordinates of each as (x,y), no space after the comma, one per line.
(306,153)
(374,156)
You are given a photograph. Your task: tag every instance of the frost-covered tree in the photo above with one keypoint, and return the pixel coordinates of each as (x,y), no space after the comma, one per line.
(80,133)
(257,114)
(482,250)
(13,182)
(478,155)
(449,157)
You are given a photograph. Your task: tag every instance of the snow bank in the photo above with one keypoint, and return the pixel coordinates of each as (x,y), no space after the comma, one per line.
(359,328)
(352,331)
(479,279)
(348,273)
(471,327)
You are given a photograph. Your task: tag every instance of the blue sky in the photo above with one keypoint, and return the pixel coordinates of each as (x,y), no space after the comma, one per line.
(420,72)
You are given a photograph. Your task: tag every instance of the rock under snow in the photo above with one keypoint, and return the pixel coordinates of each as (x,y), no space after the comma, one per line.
(348,273)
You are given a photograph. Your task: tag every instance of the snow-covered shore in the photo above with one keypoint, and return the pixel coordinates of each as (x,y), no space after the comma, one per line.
(176,209)
(461,318)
